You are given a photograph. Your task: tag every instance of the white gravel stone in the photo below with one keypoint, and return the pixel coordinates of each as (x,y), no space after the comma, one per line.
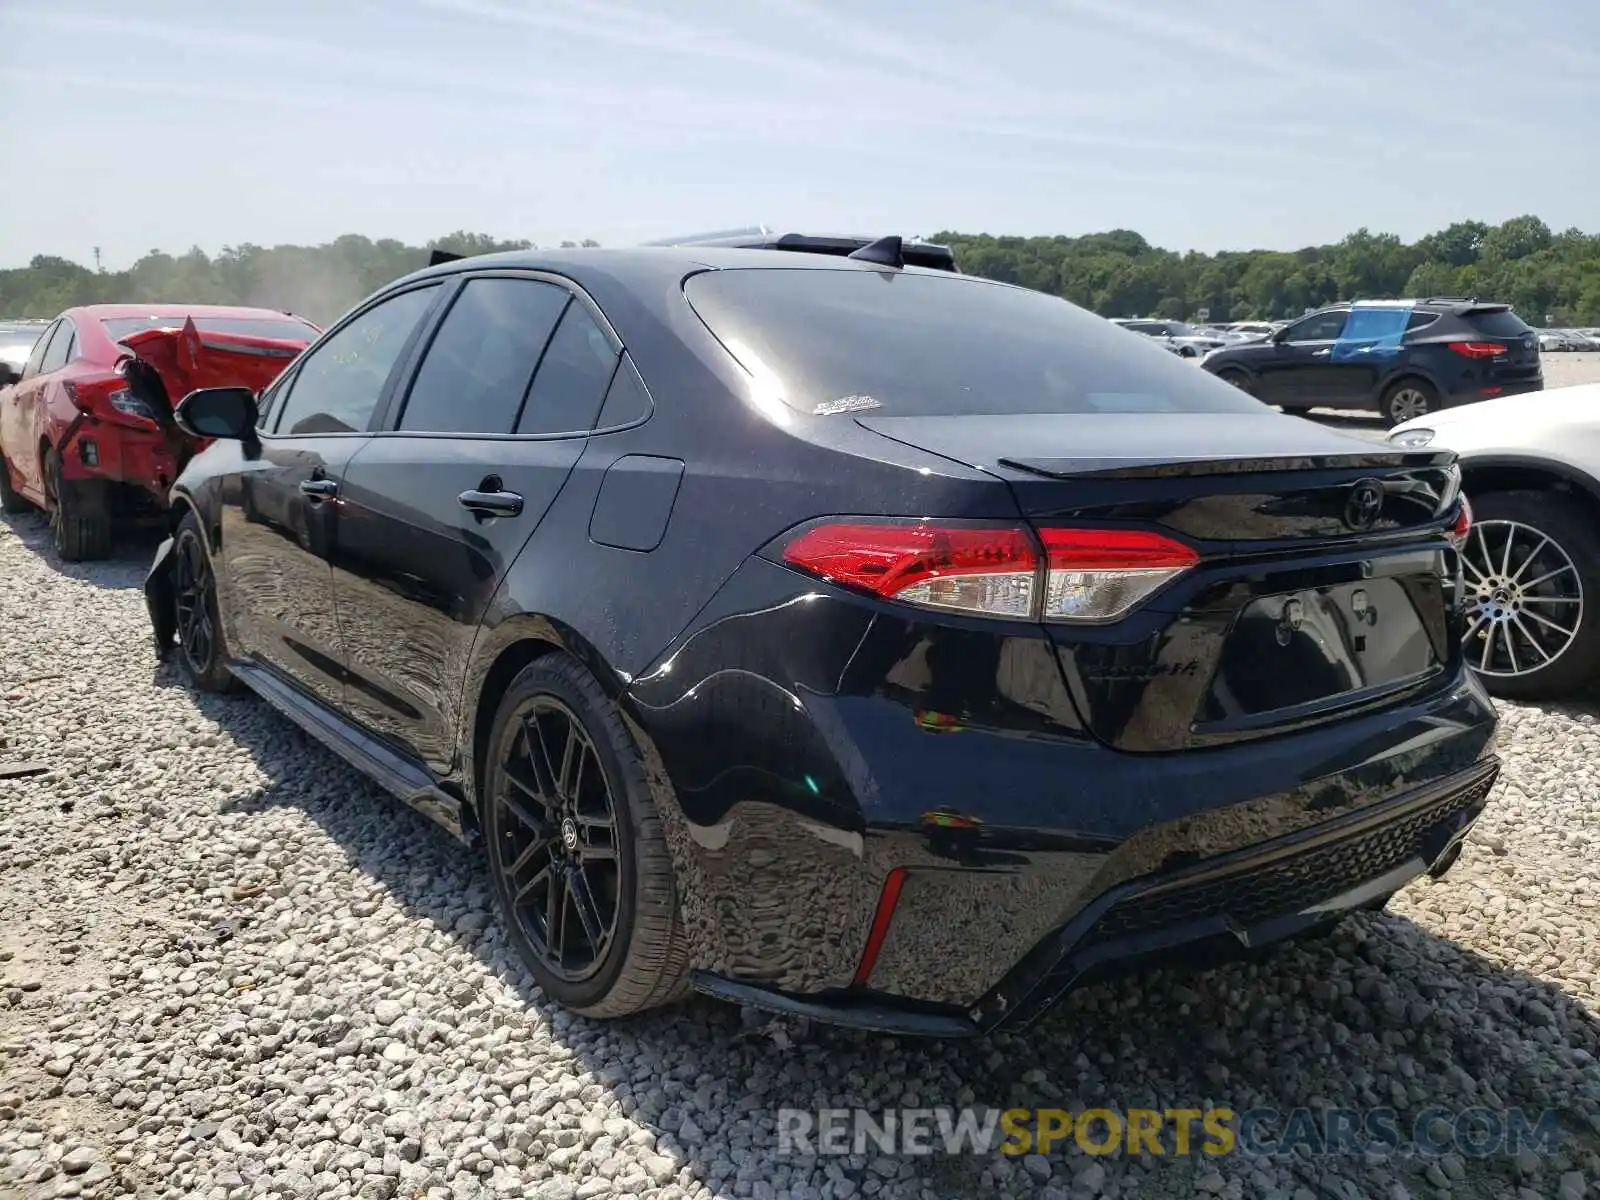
(231,968)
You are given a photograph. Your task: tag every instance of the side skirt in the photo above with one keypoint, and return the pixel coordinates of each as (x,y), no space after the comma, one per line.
(396,772)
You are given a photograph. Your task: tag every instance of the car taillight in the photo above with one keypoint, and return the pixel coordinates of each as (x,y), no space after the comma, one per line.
(1099,574)
(1477,349)
(92,394)
(1058,574)
(1463,525)
(987,570)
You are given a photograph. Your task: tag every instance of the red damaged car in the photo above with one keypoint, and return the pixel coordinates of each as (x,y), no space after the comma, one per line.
(86,430)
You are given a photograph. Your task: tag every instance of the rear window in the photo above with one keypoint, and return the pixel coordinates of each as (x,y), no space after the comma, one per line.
(909,344)
(286,328)
(1504,323)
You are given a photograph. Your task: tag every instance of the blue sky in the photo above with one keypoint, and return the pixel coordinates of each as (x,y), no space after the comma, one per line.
(1203,124)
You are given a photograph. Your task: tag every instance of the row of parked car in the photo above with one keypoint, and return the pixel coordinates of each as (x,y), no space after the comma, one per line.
(667,574)
(1556,341)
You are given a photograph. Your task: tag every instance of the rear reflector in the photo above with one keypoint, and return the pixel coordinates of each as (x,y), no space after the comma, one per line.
(880,924)
(1477,349)
(997,571)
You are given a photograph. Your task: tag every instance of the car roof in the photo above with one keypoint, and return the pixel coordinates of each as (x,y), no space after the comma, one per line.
(645,265)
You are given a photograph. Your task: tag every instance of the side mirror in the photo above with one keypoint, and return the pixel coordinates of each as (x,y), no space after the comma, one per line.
(220,412)
(9,375)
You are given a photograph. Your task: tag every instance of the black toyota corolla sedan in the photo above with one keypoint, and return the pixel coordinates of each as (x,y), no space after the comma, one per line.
(836,635)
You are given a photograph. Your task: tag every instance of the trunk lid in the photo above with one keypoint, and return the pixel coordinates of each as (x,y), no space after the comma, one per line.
(1325,581)
(165,365)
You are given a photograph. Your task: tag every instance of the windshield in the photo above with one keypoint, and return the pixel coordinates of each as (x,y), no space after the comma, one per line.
(286,328)
(913,344)
(1504,323)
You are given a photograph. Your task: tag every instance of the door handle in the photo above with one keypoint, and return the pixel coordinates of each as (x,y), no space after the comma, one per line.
(491,503)
(319,489)
(1323,353)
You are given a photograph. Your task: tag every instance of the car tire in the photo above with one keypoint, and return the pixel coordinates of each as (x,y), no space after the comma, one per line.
(1188,352)
(1496,585)
(202,647)
(82,526)
(11,501)
(1236,377)
(1407,399)
(548,831)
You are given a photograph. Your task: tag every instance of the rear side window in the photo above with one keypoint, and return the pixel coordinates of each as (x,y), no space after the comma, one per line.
(1420,320)
(60,348)
(572,378)
(911,344)
(40,348)
(1504,323)
(478,367)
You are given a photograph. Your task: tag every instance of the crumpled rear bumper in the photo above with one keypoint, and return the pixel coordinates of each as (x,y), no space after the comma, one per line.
(159,599)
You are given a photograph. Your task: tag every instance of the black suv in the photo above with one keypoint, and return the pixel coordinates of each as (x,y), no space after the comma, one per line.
(670,575)
(1405,358)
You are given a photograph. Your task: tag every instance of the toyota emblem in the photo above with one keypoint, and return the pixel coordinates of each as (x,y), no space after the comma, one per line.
(1362,509)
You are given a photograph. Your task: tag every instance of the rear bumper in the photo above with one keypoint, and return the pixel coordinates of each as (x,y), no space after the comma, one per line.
(1489,389)
(856,743)
(100,451)
(1209,913)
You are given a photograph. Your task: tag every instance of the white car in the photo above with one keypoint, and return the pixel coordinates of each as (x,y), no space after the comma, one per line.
(1530,467)
(1183,339)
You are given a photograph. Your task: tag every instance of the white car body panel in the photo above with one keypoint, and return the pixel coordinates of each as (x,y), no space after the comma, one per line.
(1558,425)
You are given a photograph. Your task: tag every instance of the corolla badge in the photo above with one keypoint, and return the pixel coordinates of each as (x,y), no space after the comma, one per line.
(1361,510)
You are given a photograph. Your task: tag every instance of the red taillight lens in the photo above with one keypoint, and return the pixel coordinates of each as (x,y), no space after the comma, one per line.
(998,571)
(1099,574)
(106,398)
(887,899)
(987,571)
(1477,349)
(1463,525)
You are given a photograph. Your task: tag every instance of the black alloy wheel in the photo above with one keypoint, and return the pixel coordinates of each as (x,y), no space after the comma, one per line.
(576,850)
(559,840)
(201,648)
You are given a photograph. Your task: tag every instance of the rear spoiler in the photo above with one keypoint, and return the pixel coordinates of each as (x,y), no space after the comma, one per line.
(1134,468)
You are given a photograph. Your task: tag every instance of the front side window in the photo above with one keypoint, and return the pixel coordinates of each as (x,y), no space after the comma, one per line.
(840,342)
(478,367)
(337,384)
(1318,327)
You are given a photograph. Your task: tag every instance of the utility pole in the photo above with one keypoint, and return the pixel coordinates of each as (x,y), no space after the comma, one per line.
(98,268)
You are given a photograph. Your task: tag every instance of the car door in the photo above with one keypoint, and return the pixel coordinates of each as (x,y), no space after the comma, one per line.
(1298,370)
(438,505)
(281,522)
(23,413)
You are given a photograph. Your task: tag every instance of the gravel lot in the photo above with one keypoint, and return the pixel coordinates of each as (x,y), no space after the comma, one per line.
(229,967)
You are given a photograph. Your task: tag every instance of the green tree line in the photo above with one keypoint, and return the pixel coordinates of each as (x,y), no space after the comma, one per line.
(1521,262)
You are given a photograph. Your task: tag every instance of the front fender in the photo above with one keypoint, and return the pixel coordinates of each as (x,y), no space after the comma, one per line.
(159,599)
